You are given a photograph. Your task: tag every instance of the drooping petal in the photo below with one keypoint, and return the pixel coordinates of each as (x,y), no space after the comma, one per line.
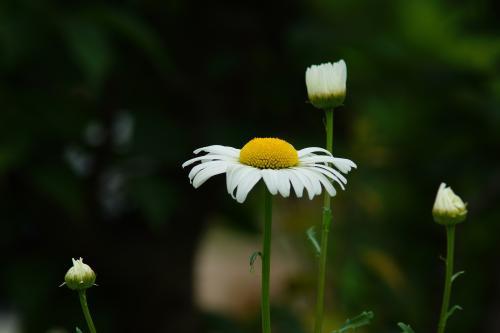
(344,165)
(283,183)
(202,176)
(208,157)
(197,168)
(313,179)
(270,180)
(238,176)
(332,170)
(323,180)
(297,184)
(328,174)
(247,184)
(306,182)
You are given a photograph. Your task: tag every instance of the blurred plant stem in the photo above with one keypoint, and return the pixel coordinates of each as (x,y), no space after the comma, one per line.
(326,223)
(266,262)
(85,308)
(450,238)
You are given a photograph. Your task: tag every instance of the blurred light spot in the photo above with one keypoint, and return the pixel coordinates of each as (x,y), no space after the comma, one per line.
(94,134)
(223,282)
(386,268)
(123,129)
(9,323)
(79,161)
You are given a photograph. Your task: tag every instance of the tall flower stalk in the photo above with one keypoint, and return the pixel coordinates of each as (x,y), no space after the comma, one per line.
(266,262)
(81,277)
(448,210)
(326,85)
(326,224)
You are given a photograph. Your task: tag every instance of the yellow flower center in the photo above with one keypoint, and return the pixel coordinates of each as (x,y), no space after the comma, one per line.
(269,153)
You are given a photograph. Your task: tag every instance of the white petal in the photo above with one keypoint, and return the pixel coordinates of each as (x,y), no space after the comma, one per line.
(238,176)
(313,179)
(307,151)
(332,170)
(343,164)
(219,150)
(247,184)
(283,183)
(207,173)
(208,157)
(328,174)
(197,168)
(297,184)
(321,179)
(317,159)
(270,180)
(307,183)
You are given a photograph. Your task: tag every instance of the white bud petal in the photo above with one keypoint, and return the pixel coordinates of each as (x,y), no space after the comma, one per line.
(448,208)
(326,84)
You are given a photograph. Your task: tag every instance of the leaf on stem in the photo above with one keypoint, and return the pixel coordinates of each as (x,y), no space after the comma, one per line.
(360,320)
(78,330)
(457,274)
(406,328)
(452,310)
(253,257)
(311,235)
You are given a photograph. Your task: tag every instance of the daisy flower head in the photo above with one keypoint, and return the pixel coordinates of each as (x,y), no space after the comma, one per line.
(277,162)
(326,84)
(449,209)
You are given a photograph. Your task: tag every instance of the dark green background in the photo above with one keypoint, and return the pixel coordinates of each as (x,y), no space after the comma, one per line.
(422,107)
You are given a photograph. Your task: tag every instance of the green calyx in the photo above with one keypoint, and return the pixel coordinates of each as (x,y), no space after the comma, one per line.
(327,101)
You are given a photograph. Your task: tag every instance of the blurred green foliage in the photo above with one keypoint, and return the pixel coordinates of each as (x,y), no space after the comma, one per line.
(102,101)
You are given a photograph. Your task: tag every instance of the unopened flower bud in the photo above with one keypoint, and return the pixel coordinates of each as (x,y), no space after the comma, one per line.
(326,84)
(448,209)
(80,276)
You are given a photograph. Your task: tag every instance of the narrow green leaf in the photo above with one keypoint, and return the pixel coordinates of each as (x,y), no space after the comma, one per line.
(406,328)
(253,257)
(78,330)
(457,274)
(452,310)
(311,235)
(360,320)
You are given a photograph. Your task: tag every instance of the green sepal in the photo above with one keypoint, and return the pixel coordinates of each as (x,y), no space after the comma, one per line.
(327,101)
(452,310)
(78,330)
(456,275)
(405,328)
(311,235)
(360,320)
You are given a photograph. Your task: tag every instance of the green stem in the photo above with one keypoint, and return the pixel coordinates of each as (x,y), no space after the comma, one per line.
(86,312)
(450,238)
(326,223)
(266,262)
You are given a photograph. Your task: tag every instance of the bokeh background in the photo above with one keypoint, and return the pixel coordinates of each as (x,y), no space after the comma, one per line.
(101,102)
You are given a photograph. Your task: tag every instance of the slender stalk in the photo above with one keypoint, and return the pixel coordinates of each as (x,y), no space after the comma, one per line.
(266,262)
(326,223)
(85,308)
(450,238)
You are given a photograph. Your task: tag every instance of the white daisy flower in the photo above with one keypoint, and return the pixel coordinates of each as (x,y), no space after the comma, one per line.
(326,84)
(276,162)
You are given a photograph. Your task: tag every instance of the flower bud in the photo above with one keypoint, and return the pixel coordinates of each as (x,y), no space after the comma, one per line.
(448,209)
(326,84)
(80,276)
